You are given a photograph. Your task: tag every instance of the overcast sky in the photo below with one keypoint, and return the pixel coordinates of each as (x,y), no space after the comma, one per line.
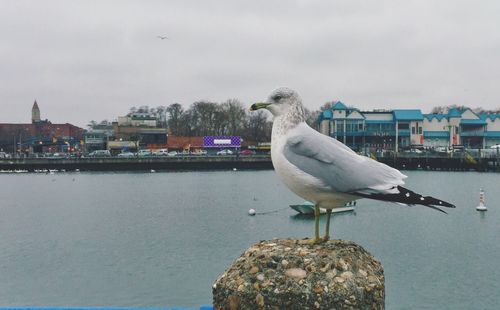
(93,60)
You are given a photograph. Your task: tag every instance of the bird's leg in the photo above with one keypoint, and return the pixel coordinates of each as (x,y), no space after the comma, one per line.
(316,238)
(316,222)
(327,228)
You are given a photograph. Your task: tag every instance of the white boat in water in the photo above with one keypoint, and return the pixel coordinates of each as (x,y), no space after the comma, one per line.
(308,208)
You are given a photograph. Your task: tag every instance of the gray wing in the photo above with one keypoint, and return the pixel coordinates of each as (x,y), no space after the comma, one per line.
(338,166)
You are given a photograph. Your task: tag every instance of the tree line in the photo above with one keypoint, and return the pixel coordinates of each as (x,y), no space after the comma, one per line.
(205,118)
(461,108)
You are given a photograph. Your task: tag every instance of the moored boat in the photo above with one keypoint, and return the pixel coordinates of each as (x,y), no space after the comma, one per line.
(308,208)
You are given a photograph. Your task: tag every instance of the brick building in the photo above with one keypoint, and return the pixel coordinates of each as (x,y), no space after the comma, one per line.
(39,136)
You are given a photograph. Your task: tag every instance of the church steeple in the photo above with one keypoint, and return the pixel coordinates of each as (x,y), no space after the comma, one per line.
(35,113)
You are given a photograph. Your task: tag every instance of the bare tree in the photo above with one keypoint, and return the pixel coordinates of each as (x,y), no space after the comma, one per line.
(143,109)
(174,114)
(235,116)
(328,105)
(220,125)
(161,116)
(203,117)
(312,117)
(258,127)
(446,109)
(91,125)
(186,127)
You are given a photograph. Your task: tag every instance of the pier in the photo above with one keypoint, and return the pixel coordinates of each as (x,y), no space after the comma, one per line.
(458,162)
(454,163)
(177,163)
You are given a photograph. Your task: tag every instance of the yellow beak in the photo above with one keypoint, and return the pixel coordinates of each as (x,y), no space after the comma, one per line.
(259,105)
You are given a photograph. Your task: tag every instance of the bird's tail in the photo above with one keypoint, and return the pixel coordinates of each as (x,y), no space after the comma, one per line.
(408,197)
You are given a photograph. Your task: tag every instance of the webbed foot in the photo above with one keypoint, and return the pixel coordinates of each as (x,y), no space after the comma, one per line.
(312,241)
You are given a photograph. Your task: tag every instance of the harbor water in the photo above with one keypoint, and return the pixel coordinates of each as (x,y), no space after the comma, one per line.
(161,239)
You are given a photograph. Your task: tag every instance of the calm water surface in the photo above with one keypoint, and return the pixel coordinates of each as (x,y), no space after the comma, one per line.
(161,239)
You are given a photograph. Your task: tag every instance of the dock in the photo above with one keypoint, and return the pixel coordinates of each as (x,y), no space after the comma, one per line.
(174,163)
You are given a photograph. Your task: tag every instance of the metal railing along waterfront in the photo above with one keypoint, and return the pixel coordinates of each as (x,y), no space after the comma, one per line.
(166,163)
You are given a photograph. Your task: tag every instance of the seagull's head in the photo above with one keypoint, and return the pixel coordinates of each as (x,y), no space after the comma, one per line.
(280,102)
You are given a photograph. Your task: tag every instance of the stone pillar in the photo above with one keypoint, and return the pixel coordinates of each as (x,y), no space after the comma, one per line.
(287,274)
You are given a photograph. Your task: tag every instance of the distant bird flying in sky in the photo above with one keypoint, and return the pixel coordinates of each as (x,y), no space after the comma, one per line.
(162,37)
(325,171)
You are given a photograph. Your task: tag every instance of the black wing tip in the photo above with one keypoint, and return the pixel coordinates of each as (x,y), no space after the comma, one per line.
(436,208)
(438,203)
(409,197)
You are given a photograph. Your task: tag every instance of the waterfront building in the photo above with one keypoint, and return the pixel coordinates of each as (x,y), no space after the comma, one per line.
(139,129)
(98,137)
(39,136)
(401,129)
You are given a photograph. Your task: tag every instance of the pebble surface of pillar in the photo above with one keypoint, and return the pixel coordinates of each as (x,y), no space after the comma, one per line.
(287,274)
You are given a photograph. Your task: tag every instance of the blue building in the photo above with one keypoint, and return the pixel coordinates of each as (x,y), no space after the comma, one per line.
(409,128)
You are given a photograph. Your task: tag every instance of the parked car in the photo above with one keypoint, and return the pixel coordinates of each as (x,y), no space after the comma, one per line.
(60,155)
(161,152)
(199,153)
(496,146)
(247,152)
(416,151)
(442,149)
(126,155)
(4,155)
(225,152)
(172,153)
(100,153)
(144,153)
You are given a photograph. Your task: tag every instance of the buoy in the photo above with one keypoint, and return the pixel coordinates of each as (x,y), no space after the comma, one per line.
(251,212)
(153,171)
(481,206)
(234,169)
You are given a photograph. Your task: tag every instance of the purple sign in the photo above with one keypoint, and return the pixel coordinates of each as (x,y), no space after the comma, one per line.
(221,141)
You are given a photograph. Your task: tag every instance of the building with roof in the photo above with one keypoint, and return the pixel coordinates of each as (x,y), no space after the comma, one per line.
(98,137)
(39,136)
(409,128)
(141,127)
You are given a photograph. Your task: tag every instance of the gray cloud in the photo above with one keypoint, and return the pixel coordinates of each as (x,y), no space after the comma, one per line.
(86,60)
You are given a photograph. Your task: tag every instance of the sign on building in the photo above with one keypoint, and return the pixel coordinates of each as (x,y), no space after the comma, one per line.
(221,141)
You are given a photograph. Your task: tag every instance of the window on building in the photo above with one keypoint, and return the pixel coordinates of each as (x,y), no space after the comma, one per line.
(387,127)
(412,130)
(360,126)
(372,127)
(403,126)
(420,130)
(353,126)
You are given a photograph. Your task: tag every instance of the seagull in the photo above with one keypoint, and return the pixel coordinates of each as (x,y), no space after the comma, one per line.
(325,171)
(162,37)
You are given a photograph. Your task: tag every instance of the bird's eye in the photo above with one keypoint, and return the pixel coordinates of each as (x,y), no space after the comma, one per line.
(277,98)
